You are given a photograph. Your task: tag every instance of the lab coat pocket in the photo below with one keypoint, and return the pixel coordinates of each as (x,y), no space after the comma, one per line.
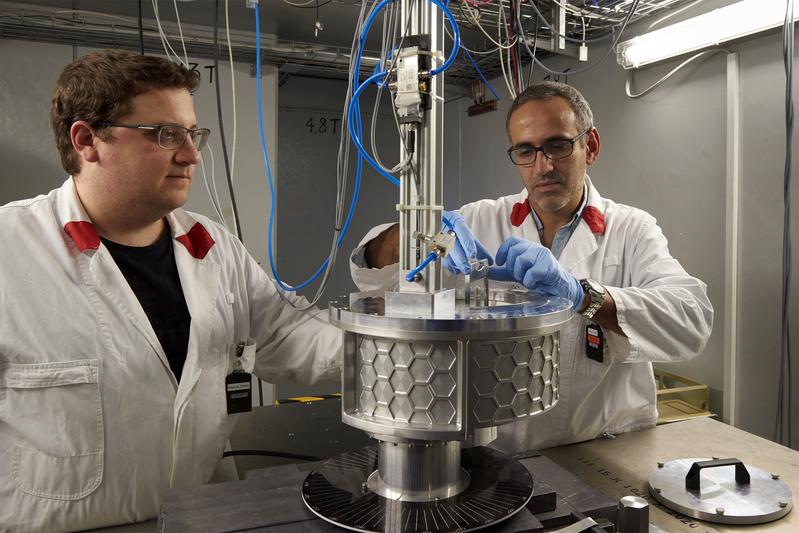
(55,412)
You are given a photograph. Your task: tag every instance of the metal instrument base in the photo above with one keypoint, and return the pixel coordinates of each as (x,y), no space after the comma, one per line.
(339,493)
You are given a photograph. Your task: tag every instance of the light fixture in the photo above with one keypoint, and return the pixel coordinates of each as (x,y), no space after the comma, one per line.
(725,24)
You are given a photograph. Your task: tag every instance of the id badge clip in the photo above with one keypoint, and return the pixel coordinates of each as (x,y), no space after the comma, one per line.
(238,386)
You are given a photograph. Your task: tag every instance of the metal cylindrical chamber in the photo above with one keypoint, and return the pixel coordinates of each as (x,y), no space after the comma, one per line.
(419,471)
(446,377)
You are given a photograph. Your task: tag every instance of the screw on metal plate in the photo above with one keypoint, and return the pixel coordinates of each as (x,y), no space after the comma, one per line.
(660,465)
(783,505)
(775,476)
(719,510)
(657,489)
(715,458)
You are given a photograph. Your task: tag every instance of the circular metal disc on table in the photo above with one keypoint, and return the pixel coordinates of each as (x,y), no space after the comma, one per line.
(500,486)
(720,498)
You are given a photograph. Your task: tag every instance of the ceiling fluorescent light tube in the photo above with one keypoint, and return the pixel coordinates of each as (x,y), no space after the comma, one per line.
(741,19)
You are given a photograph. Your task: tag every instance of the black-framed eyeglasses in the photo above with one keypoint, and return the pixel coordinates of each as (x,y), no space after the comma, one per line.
(524,155)
(168,136)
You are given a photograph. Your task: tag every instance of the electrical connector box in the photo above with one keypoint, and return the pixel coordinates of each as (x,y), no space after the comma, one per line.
(583,51)
(251,4)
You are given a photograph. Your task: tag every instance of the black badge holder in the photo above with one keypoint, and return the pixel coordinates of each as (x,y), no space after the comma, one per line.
(594,343)
(238,386)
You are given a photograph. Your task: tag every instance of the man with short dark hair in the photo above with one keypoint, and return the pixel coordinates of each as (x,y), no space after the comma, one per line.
(635,304)
(130,325)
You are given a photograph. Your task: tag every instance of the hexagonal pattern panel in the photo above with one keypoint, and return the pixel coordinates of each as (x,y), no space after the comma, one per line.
(401,408)
(485,356)
(383,366)
(504,393)
(421,370)
(442,411)
(368,376)
(408,382)
(401,381)
(421,397)
(443,359)
(367,402)
(402,355)
(443,385)
(504,367)
(417,383)
(522,379)
(484,383)
(521,405)
(522,376)
(368,350)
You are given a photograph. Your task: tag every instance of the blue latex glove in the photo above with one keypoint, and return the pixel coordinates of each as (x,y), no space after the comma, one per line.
(536,268)
(466,245)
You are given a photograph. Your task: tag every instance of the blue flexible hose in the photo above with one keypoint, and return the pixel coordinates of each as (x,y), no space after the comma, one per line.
(427,260)
(355,128)
(356,190)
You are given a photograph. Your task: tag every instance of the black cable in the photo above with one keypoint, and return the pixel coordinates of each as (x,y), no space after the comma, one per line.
(564,36)
(612,47)
(222,124)
(535,49)
(782,429)
(268,453)
(314,6)
(141,31)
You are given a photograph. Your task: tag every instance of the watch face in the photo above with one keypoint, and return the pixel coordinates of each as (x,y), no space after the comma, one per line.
(594,286)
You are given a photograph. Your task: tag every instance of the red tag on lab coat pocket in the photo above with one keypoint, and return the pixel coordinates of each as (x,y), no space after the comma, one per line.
(594,343)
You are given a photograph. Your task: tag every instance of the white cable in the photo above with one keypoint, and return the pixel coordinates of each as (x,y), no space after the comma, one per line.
(233,92)
(180,32)
(629,83)
(474,20)
(675,12)
(214,200)
(501,21)
(164,39)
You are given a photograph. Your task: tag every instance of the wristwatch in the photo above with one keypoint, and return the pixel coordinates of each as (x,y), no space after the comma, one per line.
(597,295)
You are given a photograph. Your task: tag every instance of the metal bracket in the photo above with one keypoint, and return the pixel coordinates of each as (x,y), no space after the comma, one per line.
(476,292)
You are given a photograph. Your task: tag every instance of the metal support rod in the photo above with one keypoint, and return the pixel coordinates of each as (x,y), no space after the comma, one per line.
(732,225)
(421,183)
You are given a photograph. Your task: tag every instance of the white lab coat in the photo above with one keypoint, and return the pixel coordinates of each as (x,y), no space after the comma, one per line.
(94,428)
(664,312)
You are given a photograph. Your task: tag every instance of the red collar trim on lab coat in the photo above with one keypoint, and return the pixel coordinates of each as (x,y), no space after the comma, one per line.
(197,241)
(83,234)
(520,212)
(595,219)
(592,216)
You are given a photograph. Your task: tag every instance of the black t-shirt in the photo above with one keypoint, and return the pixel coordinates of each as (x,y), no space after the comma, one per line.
(153,275)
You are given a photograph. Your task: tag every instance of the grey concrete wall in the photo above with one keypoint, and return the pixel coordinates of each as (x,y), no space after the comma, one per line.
(306,197)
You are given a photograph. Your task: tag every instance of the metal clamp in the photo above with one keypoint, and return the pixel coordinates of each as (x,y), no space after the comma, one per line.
(476,292)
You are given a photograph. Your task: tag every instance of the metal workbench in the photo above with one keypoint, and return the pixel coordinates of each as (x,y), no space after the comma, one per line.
(615,467)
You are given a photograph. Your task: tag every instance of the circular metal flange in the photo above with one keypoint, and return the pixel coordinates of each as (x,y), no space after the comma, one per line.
(720,498)
(509,312)
(338,493)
